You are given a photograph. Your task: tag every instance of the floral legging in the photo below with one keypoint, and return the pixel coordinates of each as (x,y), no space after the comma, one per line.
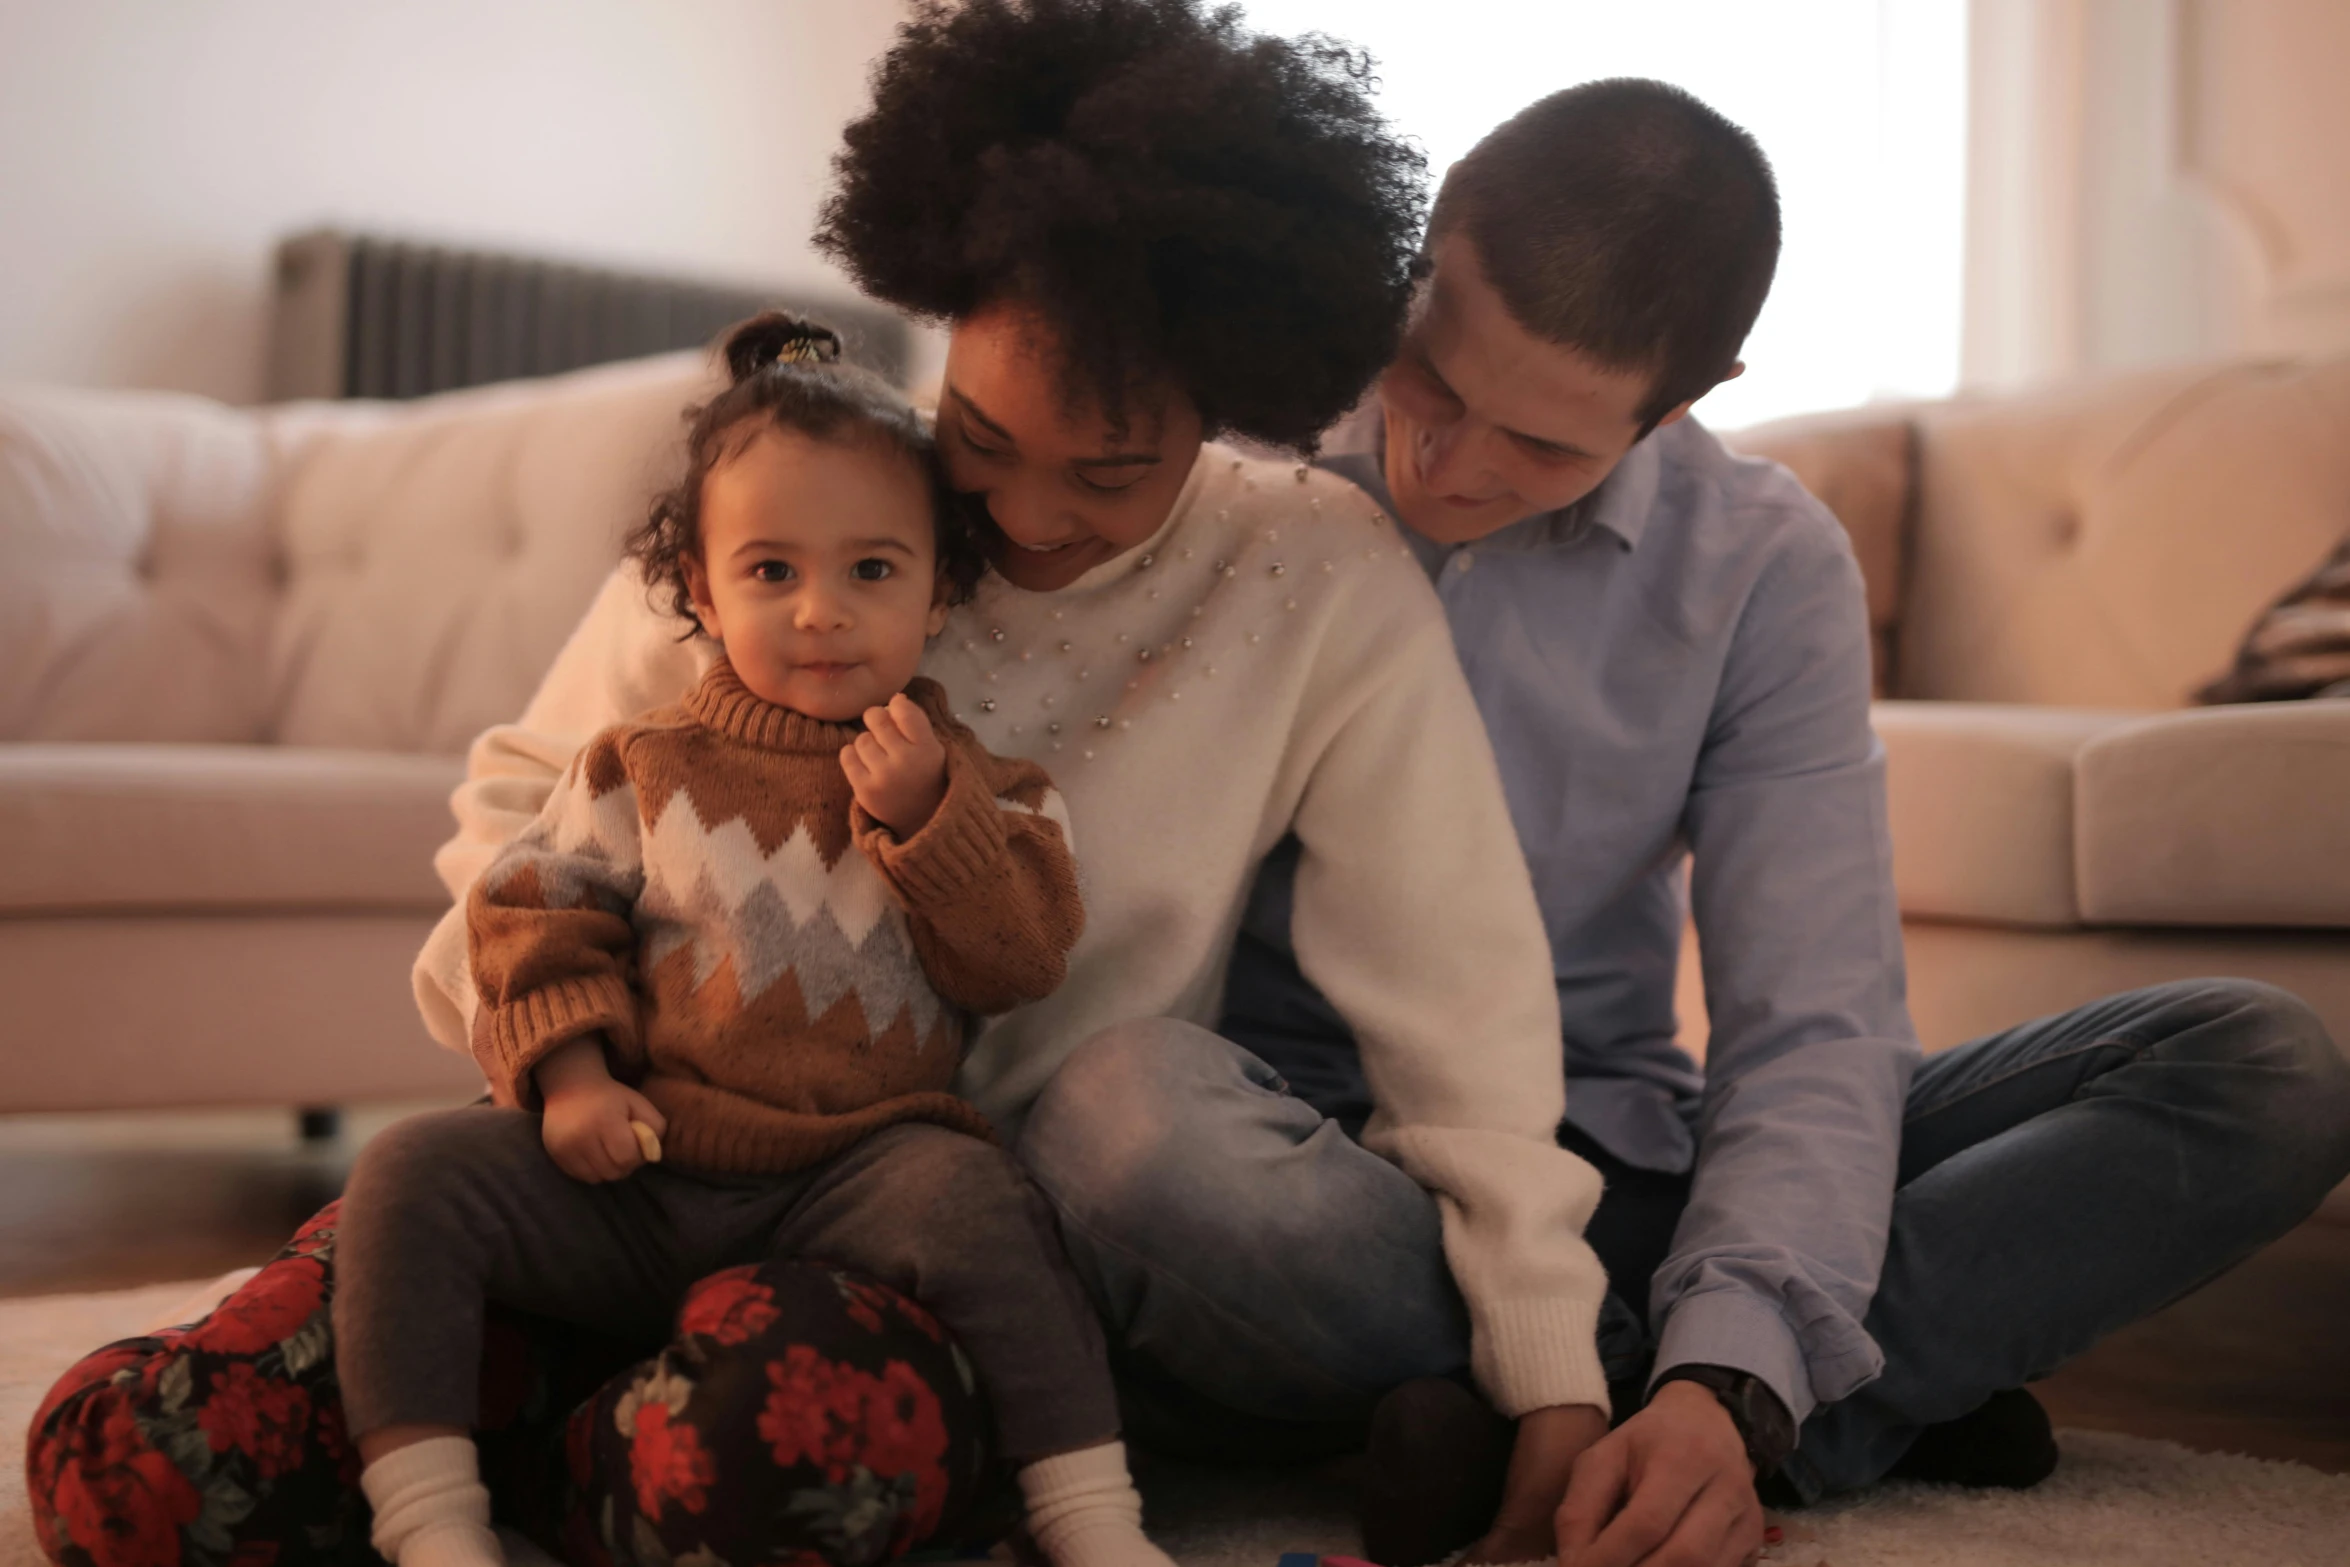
(800,1416)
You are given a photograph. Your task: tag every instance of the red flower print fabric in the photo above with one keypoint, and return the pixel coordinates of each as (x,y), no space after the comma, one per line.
(253,1320)
(668,1463)
(216,1445)
(266,1420)
(733,1307)
(115,1496)
(801,1418)
(865,1432)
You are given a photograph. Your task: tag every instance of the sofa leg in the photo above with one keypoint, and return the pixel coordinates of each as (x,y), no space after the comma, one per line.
(320,1123)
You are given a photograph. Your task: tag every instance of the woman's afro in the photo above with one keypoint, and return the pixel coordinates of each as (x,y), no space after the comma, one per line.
(1182,200)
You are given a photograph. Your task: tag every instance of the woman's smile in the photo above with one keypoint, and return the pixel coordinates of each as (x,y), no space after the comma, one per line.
(1068,484)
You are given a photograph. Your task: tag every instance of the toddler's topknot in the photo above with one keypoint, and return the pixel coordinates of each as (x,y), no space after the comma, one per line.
(775,338)
(786,373)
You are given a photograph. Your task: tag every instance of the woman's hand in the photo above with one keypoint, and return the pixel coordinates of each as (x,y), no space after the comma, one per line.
(586,1121)
(1549,1442)
(897,767)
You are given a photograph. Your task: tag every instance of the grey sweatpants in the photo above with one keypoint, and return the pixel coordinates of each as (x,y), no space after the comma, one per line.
(447,1211)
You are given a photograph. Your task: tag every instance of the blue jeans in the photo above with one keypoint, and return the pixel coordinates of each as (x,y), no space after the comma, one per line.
(2057,1181)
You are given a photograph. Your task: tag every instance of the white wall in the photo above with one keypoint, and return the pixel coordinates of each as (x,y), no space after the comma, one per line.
(2155,181)
(151,154)
(1859,104)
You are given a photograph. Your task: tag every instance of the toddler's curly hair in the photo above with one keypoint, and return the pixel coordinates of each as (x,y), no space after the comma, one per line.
(787,374)
(1181,199)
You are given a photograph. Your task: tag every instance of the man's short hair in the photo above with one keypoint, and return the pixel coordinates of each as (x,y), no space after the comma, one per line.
(1626,220)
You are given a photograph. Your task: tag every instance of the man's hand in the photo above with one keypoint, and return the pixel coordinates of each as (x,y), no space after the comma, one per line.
(1670,1487)
(585,1124)
(1549,1441)
(897,767)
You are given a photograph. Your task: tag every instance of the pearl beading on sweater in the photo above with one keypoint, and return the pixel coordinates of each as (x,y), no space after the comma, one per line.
(1156,661)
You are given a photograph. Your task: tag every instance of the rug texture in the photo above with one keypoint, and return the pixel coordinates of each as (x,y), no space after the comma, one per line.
(2115,1501)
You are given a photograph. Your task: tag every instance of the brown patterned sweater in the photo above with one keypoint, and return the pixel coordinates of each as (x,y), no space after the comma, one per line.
(776,970)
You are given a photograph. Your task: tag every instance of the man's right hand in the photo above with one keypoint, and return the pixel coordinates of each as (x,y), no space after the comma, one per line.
(1670,1487)
(585,1124)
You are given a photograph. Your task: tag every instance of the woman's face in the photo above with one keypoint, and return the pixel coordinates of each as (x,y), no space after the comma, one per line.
(1068,489)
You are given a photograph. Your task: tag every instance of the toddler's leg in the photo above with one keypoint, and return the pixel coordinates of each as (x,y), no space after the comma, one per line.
(951,1221)
(442,1213)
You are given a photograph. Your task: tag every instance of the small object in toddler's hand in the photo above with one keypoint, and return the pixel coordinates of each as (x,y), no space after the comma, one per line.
(647,1140)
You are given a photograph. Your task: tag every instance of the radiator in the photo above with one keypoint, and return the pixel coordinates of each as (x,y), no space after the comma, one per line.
(356,315)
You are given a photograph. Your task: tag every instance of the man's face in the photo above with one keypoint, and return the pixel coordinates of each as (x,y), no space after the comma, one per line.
(1488,424)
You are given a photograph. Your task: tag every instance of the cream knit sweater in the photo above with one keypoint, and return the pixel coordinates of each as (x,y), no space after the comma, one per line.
(1273,659)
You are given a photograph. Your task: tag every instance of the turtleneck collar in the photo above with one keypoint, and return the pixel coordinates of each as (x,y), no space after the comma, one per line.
(724,703)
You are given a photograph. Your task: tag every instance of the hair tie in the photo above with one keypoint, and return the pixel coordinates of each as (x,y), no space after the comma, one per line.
(774,339)
(813,345)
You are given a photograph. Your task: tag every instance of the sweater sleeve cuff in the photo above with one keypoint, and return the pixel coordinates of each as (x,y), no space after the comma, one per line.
(954,853)
(1533,1354)
(516,1037)
(1729,1327)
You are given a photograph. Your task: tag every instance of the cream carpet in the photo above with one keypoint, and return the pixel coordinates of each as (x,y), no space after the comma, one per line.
(2117,1501)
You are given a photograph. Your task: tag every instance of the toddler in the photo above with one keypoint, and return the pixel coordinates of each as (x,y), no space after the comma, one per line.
(723,978)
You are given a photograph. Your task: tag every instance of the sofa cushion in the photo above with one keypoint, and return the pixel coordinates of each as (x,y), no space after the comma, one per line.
(116,828)
(138,582)
(1981,799)
(2104,544)
(438,552)
(2227,816)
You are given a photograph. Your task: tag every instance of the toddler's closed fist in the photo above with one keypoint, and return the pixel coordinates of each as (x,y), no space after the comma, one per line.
(595,1129)
(897,767)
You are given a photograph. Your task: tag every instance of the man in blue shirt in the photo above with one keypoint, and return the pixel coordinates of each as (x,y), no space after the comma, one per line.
(1838,1261)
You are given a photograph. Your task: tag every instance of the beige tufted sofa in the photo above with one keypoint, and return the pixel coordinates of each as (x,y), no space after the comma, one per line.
(242,651)
(241,655)
(2051,577)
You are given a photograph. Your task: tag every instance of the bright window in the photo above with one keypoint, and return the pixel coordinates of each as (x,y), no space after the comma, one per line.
(1860,105)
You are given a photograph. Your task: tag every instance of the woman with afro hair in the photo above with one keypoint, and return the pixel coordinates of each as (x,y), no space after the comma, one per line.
(1147,230)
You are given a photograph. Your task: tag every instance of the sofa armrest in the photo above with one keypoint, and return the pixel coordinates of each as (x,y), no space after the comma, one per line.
(2220,816)
(1862,464)
(1981,803)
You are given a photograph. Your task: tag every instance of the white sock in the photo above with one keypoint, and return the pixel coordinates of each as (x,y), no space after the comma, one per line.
(431,1509)
(1084,1510)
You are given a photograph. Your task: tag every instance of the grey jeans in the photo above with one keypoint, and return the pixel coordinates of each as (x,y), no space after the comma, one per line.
(447,1211)
(2057,1181)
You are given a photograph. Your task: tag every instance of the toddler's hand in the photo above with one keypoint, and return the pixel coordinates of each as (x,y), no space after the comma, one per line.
(897,766)
(585,1124)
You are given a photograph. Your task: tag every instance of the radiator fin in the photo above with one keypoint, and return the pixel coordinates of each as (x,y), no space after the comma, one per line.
(362,316)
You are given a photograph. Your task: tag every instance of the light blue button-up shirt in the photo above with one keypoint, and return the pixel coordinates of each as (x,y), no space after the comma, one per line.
(1675,675)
